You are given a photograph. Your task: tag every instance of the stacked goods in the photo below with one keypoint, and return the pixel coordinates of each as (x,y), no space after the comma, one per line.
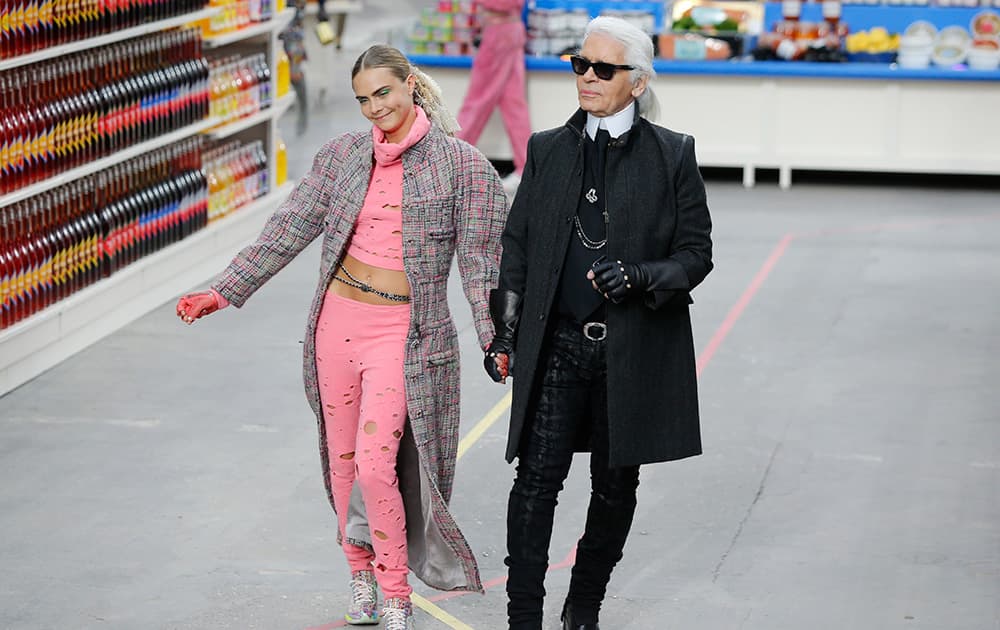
(448,29)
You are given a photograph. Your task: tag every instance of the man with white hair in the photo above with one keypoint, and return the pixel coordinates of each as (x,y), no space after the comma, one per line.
(606,238)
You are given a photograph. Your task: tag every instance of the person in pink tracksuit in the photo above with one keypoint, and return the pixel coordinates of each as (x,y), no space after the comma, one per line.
(497,79)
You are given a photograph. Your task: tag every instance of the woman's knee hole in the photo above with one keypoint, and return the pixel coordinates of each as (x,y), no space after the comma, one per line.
(370,427)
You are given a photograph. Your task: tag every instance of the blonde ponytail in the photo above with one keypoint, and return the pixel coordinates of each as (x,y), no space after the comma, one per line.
(427,94)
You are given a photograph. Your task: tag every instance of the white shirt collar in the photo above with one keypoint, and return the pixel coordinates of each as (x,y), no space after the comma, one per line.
(616,124)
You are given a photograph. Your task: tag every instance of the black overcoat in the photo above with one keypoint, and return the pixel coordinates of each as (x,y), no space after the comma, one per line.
(658,210)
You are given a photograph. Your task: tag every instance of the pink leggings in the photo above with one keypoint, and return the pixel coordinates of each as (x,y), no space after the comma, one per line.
(359,362)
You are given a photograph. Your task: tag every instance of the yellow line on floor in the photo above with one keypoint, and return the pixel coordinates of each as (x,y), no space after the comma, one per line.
(483,425)
(464,444)
(437,613)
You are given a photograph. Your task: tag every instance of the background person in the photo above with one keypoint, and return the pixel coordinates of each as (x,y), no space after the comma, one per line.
(497,80)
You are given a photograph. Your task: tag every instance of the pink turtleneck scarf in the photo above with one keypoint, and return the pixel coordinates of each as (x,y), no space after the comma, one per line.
(378,235)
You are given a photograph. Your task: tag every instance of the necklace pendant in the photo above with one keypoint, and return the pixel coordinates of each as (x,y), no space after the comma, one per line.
(592,196)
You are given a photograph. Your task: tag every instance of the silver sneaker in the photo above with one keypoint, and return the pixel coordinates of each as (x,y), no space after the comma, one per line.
(363,609)
(398,614)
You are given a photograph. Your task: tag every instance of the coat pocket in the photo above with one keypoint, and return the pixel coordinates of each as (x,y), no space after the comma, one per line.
(443,357)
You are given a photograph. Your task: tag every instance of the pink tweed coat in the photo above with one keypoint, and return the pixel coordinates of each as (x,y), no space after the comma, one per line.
(453,203)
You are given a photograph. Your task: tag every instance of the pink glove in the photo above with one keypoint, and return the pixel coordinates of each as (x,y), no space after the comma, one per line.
(196,305)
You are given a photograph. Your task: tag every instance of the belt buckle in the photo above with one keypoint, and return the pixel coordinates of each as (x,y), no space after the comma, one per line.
(601,331)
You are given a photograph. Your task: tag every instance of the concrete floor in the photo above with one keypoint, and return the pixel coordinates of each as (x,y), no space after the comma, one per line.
(167,477)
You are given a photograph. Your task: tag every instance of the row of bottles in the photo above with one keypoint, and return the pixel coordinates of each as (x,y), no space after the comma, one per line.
(240,86)
(236,14)
(58,242)
(30,25)
(237,174)
(72,110)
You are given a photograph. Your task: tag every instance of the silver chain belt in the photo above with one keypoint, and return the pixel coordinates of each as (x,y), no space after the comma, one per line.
(367,288)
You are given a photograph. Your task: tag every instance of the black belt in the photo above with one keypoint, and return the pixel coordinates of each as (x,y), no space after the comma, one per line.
(594,331)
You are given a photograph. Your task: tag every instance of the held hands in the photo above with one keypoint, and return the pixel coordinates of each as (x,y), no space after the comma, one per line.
(196,305)
(617,280)
(497,359)
(505,311)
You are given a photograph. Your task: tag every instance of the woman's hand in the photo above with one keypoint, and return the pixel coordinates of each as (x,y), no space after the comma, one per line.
(196,305)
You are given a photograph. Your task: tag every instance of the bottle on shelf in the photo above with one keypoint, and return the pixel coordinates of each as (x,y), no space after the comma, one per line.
(280,162)
(284,74)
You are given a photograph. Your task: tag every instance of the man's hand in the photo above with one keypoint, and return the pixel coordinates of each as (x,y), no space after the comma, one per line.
(196,305)
(497,359)
(617,280)
(505,311)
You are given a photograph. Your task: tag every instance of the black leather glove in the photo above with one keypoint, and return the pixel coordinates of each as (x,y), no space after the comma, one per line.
(505,311)
(618,280)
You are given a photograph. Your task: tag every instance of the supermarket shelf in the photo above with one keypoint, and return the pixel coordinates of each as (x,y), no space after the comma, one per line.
(30,347)
(110,38)
(333,7)
(738,68)
(276,110)
(98,165)
(905,124)
(278,22)
(211,125)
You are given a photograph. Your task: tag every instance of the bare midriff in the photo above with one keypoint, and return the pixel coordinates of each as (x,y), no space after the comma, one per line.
(387,280)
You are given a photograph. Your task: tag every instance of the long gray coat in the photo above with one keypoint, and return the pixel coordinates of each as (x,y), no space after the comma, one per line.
(452,202)
(657,207)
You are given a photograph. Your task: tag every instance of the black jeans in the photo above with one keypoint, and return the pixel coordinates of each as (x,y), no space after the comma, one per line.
(573,398)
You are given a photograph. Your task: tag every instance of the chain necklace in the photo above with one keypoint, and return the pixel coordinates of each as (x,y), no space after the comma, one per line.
(592,197)
(588,242)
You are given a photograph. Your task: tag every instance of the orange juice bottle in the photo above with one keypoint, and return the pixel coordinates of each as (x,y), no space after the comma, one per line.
(214,190)
(284,74)
(281,163)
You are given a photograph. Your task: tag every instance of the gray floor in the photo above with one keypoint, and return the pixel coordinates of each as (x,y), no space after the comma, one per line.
(167,477)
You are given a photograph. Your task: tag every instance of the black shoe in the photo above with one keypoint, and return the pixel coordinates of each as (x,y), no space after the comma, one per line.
(568,623)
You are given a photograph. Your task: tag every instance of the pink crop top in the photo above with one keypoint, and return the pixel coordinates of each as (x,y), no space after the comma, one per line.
(378,234)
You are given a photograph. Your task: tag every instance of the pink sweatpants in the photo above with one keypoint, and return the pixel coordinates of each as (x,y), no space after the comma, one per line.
(497,79)
(359,362)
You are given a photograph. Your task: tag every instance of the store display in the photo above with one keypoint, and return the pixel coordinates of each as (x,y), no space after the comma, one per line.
(704,33)
(60,241)
(555,27)
(68,111)
(875,45)
(237,174)
(66,224)
(240,86)
(450,28)
(30,25)
(236,14)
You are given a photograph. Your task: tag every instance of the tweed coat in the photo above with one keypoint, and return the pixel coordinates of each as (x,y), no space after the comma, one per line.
(453,202)
(657,210)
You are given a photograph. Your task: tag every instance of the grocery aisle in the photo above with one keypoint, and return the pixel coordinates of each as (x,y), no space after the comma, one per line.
(167,476)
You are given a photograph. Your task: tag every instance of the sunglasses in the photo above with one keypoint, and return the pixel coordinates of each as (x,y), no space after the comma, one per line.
(604,71)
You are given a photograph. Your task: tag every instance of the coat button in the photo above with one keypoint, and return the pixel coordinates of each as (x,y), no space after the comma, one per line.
(541,318)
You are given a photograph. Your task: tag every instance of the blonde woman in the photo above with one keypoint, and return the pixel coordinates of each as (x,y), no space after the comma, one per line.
(394,205)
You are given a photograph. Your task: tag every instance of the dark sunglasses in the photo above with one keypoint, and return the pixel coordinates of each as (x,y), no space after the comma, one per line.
(604,71)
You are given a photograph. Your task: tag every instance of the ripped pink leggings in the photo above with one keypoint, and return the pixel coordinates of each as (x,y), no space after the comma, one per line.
(359,362)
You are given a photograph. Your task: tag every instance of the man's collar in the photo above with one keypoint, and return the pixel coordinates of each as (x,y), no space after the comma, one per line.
(616,124)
